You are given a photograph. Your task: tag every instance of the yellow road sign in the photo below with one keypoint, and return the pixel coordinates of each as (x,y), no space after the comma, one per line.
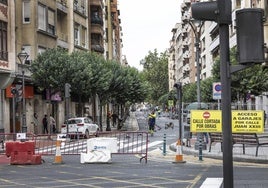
(249,121)
(243,121)
(206,121)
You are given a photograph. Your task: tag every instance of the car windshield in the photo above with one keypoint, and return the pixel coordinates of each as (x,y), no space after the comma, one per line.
(74,121)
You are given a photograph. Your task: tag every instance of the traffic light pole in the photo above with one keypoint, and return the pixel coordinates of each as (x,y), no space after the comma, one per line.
(67,91)
(226,106)
(220,12)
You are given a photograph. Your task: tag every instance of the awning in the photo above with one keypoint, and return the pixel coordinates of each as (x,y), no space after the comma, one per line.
(6,78)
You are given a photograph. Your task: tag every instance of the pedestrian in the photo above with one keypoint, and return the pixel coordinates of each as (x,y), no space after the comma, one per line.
(151,122)
(52,124)
(114,118)
(35,123)
(45,124)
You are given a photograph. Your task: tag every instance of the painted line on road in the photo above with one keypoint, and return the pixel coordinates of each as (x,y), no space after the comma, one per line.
(149,145)
(212,182)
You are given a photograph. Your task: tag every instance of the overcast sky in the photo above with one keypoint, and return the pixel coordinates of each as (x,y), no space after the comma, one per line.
(146,25)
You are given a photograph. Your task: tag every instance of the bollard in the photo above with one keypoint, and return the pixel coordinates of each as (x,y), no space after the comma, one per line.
(200,155)
(164,145)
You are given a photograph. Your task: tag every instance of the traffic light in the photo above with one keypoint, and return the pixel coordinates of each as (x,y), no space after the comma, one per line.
(250,37)
(204,11)
(67,90)
(177,85)
(218,11)
(14,91)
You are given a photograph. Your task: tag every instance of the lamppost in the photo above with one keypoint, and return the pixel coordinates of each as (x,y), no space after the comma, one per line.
(23,56)
(196,26)
(178,87)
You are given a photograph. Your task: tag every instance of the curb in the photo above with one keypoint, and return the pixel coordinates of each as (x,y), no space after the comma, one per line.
(191,151)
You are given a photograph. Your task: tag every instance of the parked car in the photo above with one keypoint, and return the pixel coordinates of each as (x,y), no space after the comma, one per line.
(80,125)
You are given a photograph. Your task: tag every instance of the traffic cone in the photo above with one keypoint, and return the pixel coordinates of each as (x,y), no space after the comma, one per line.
(58,158)
(179,156)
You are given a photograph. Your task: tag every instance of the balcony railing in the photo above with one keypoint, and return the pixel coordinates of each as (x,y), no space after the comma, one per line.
(97,48)
(96,20)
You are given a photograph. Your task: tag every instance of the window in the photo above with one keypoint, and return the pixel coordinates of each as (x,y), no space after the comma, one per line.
(83,36)
(3,41)
(46,19)
(238,4)
(41,50)
(26,12)
(76,35)
(42,17)
(80,35)
(3,1)
(51,22)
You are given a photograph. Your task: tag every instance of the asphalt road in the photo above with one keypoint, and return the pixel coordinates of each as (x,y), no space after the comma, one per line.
(127,171)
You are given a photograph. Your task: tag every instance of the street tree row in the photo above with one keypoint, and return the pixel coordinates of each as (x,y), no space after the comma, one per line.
(90,77)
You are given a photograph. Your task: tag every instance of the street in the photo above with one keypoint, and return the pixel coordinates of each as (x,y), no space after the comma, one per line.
(127,171)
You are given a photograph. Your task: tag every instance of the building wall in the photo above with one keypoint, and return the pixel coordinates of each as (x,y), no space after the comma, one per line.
(34,40)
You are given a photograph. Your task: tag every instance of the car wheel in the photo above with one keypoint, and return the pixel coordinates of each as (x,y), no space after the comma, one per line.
(87,134)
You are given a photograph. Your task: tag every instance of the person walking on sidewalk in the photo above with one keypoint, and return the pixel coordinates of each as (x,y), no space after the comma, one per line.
(151,122)
(45,124)
(114,118)
(35,123)
(52,124)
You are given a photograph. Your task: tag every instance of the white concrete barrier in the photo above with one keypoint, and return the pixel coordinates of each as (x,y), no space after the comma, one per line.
(99,150)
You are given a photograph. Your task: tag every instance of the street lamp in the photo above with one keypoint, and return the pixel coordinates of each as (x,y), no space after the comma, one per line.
(196,26)
(178,87)
(23,56)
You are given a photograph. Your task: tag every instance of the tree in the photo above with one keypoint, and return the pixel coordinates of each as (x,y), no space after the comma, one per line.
(155,70)
(189,93)
(81,77)
(250,80)
(51,69)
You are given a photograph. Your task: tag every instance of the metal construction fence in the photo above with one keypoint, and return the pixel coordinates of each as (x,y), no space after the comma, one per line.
(131,143)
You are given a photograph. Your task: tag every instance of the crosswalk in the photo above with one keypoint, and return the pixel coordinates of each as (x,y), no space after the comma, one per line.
(76,147)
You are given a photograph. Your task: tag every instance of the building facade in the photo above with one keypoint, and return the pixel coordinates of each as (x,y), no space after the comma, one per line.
(183,51)
(75,25)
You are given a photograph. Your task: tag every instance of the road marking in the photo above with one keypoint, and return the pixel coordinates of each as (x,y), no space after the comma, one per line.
(139,148)
(212,182)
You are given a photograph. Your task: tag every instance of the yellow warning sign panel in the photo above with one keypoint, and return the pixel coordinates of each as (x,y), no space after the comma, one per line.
(170,103)
(206,121)
(247,121)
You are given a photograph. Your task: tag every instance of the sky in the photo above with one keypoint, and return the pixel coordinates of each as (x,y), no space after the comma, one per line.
(146,25)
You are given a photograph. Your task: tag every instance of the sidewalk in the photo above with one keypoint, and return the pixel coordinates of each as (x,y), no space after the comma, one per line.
(215,153)
(238,155)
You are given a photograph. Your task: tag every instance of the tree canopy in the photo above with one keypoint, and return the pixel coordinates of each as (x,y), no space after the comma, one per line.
(155,72)
(89,75)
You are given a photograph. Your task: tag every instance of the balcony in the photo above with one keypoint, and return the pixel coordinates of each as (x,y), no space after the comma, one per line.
(185,18)
(96,20)
(186,55)
(62,40)
(97,48)
(62,6)
(97,3)
(97,29)
(185,43)
(183,6)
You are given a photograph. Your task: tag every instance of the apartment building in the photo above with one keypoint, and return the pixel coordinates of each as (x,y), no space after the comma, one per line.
(44,24)
(183,50)
(7,57)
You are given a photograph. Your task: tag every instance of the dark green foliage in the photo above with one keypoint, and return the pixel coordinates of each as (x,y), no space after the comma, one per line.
(156,74)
